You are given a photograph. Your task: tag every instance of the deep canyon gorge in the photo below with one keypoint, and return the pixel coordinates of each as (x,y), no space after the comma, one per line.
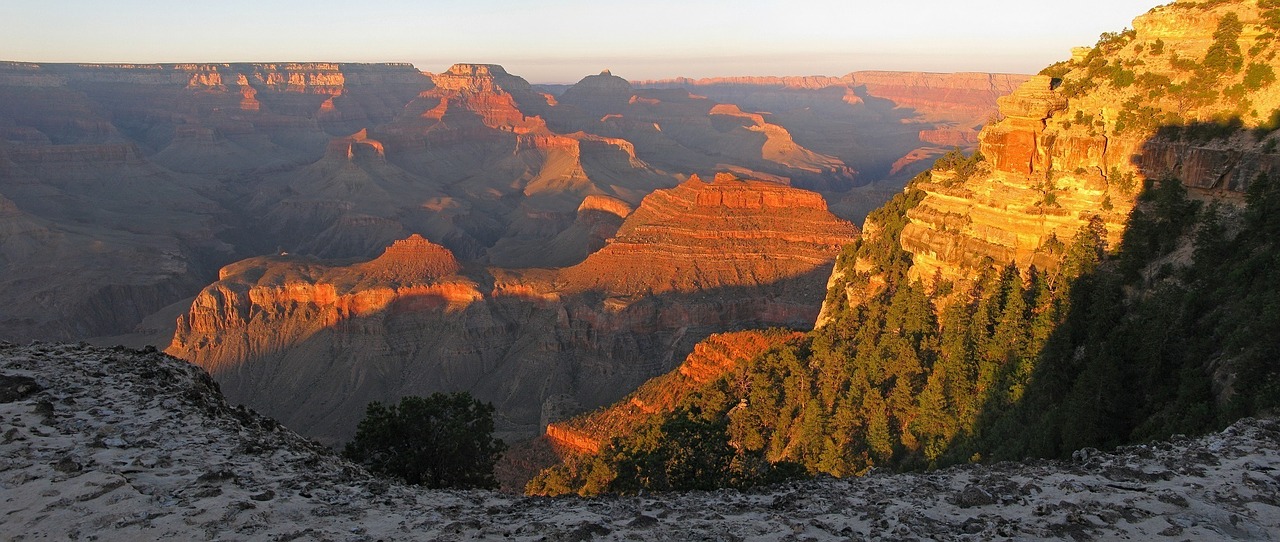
(659,285)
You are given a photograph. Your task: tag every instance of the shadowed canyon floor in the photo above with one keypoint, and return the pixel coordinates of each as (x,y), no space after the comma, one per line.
(125,189)
(114,444)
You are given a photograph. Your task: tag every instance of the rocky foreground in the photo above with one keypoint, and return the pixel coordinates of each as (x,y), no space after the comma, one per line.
(115,444)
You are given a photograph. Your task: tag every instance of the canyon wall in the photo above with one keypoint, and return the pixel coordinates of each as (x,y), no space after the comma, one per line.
(144,179)
(1079,142)
(120,173)
(888,125)
(573,253)
(311,343)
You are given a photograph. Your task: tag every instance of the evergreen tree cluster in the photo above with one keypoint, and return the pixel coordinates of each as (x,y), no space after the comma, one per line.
(440,441)
(678,452)
(1176,333)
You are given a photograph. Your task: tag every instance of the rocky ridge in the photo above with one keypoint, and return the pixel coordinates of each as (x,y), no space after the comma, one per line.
(680,131)
(721,234)
(121,445)
(311,343)
(918,115)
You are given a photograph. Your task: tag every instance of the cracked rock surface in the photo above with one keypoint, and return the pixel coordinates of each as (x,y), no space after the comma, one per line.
(116,444)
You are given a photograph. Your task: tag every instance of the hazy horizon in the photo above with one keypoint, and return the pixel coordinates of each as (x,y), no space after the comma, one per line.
(561,41)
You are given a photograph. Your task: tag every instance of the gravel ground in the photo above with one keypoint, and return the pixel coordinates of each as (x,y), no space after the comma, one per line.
(116,444)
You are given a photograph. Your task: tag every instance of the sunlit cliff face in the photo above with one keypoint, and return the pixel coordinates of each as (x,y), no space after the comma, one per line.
(1080,142)
(310,342)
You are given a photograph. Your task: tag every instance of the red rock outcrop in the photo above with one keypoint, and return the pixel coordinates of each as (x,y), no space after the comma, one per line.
(260,304)
(412,259)
(310,343)
(604,204)
(699,236)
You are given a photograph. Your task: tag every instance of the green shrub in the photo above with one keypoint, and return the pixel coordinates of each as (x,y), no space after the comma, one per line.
(1258,75)
(1224,55)
(442,441)
(1057,69)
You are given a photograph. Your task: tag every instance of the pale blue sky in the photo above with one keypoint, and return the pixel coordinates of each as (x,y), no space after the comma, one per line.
(564,40)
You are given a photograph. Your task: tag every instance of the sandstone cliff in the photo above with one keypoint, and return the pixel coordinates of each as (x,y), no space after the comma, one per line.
(311,343)
(1080,140)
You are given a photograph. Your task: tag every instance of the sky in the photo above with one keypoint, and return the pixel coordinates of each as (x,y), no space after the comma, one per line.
(560,41)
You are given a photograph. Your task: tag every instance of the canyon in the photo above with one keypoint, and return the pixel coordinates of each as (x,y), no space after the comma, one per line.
(311,343)
(127,189)
(307,238)
(942,111)
(1078,151)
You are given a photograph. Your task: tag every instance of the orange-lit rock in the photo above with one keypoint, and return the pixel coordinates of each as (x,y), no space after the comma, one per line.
(712,358)
(700,235)
(412,259)
(1082,146)
(604,204)
(310,343)
(1015,145)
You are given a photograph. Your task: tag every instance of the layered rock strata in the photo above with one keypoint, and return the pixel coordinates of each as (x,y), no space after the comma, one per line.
(312,343)
(714,235)
(902,119)
(1081,141)
(145,179)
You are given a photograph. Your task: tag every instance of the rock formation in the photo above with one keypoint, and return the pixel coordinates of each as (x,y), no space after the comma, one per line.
(1081,140)
(721,234)
(690,134)
(312,343)
(886,125)
(144,179)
